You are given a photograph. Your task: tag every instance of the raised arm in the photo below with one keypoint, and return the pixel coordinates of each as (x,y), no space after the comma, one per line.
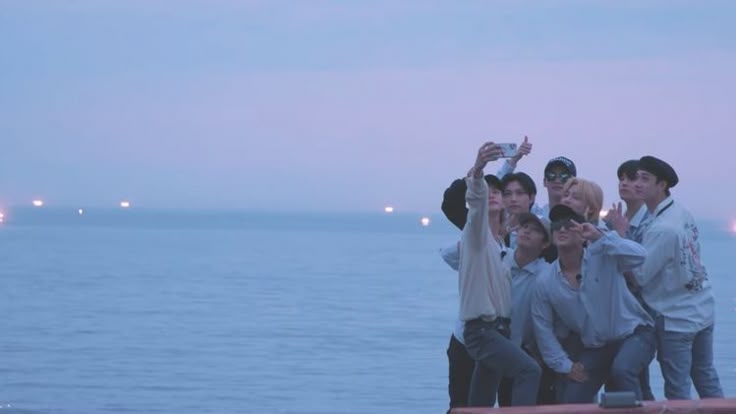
(628,254)
(525,148)
(477,198)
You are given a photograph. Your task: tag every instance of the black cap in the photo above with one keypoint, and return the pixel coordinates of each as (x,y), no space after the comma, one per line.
(659,169)
(563,162)
(628,168)
(562,212)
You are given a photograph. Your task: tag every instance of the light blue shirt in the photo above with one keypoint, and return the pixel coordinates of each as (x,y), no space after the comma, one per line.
(523,284)
(673,280)
(602,310)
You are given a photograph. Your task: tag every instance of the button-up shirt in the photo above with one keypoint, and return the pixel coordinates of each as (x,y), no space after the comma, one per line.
(523,284)
(673,280)
(601,310)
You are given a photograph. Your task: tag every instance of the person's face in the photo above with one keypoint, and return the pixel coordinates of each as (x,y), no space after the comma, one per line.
(531,236)
(562,236)
(626,188)
(495,199)
(554,180)
(516,199)
(574,199)
(646,186)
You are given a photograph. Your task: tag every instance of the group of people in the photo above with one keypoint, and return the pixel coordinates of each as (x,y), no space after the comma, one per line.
(556,303)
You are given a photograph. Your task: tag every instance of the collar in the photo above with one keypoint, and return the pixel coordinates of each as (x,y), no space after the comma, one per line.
(637,218)
(663,205)
(530,267)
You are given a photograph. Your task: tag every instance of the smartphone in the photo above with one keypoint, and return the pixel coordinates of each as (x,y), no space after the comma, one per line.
(508,150)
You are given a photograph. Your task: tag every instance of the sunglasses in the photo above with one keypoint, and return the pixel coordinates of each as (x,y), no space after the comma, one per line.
(566,224)
(552,176)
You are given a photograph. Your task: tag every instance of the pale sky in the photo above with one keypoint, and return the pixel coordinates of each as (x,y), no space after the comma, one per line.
(353,105)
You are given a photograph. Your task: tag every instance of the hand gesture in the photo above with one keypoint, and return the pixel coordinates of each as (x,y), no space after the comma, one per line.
(616,218)
(586,230)
(487,152)
(577,373)
(525,148)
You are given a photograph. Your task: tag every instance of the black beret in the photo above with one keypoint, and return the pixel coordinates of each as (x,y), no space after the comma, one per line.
(659,169)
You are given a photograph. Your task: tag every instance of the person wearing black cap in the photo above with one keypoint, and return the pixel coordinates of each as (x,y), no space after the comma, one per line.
(556,173)
(585,292)
(675,285)
(485,301)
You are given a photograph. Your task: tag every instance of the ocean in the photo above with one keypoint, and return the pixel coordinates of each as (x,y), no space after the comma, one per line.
(175,311)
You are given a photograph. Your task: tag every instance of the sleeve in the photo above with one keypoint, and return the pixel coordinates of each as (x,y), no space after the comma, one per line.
(453,203)
(628,254)
(505,169)
(662,247)
(476,226)
(543,319)
(451,256)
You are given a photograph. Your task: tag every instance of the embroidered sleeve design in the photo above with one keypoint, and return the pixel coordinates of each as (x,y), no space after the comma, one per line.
(690,259)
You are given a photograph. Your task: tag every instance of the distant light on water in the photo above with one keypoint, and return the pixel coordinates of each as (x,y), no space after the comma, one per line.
(388,209)
(733,226)
(80,211)
(425,221)
(38,203)
(125,204)
(2,218)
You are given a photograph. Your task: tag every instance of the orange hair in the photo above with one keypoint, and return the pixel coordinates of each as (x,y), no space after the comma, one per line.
(592,196)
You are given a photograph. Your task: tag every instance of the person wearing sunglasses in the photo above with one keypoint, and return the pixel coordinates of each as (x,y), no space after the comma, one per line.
(556,173)
(586,292)
(484,284)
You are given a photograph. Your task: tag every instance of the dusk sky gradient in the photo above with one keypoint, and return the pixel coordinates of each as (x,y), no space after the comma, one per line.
(353,105)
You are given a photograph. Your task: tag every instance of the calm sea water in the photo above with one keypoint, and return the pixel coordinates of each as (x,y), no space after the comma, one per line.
(216,312)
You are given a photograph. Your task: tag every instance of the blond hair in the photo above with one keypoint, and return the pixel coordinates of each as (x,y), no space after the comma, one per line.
(592,195)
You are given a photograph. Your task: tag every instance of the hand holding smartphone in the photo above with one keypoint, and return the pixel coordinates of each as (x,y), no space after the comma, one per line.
(509,150)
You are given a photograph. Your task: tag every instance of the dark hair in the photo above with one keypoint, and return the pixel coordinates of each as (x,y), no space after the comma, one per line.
(493,181)
(628,169)
(524,180)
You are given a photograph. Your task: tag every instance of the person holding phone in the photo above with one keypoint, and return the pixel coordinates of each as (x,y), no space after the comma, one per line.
(460,364)
(485,300)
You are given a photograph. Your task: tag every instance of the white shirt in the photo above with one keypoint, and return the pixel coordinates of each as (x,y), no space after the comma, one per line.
(484,283)
(673,279)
